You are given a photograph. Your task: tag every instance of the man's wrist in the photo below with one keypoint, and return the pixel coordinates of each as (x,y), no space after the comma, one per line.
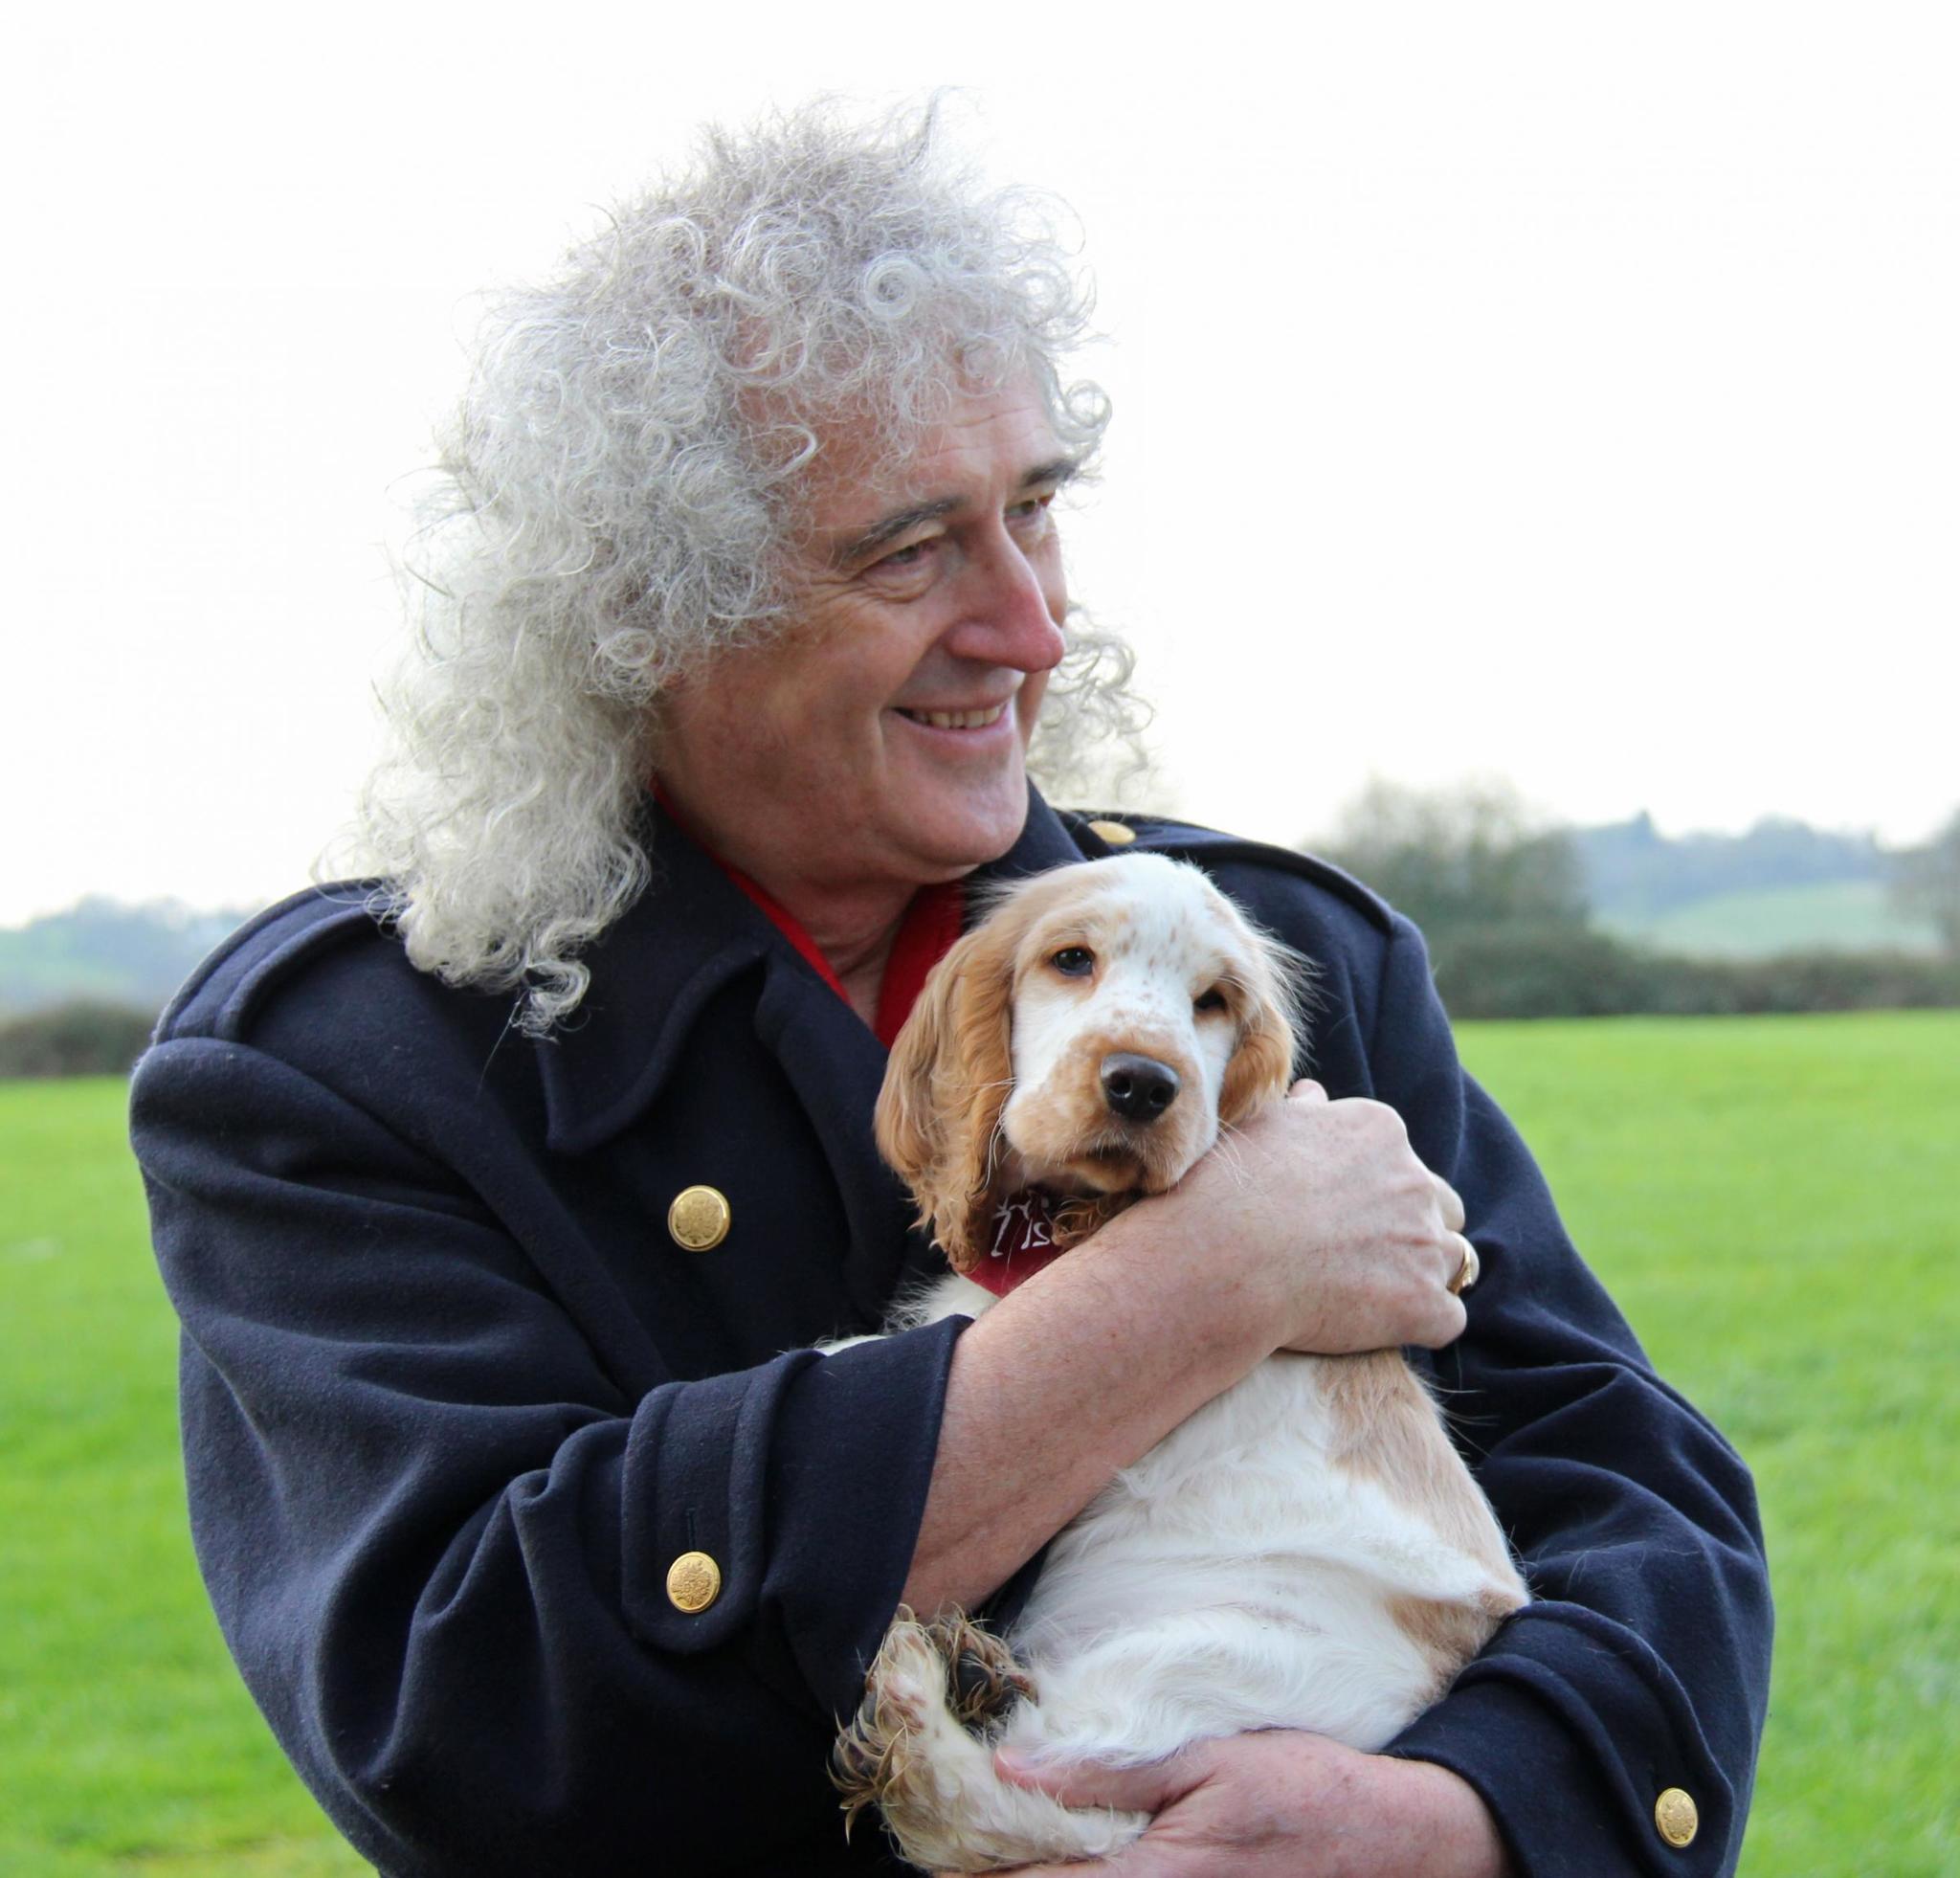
(1457,1835)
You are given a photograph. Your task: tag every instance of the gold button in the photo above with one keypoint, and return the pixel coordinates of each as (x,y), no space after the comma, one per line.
(699,1219)
(1115,833)
(694,1581)
(1677,1817)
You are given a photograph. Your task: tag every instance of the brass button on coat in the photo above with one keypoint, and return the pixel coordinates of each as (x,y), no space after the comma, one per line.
(1677,1816)
(694,1581)
(699,1219)
(1114,832)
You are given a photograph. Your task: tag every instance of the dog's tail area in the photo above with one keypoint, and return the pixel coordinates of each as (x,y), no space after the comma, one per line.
(921,1750)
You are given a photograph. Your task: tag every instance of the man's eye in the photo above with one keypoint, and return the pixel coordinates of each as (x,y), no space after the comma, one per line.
(901,558)
(1211,1001)
(1073,961)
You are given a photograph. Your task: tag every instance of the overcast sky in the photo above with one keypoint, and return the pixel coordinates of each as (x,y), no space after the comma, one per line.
(1561,393)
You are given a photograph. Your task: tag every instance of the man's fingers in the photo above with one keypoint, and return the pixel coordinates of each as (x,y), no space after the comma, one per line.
(1148,1789)
(1141,1858)
(1448,1198)
(1307,1090)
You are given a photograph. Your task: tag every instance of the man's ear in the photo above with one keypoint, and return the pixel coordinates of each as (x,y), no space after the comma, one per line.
(945,1085)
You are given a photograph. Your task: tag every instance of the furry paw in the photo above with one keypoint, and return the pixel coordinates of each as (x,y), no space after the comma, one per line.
(926,1677)
(983,1679)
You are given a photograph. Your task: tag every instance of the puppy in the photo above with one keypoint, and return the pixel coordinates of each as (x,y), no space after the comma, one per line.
(1306,1552)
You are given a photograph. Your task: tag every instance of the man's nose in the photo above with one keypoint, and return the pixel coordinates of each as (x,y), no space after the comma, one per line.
(1006,618)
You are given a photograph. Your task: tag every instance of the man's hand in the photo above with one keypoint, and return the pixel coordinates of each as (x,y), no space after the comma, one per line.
(1320,1216)
(1281,1804)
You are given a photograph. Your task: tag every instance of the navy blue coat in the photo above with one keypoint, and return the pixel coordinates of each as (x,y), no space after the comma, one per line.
(454,1399)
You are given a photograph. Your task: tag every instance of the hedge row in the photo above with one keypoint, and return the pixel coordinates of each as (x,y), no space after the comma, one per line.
(82,1039)
(1494,971)
(1509,972)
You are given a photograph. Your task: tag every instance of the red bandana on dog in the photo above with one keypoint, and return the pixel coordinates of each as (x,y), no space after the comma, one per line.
(1023,1243)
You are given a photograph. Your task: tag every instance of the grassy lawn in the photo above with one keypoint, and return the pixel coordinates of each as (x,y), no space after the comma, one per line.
(1770,1201)
(127,1744)
(1766,1197)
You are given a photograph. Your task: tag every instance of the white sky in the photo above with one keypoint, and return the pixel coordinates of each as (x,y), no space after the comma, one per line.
(1567,392)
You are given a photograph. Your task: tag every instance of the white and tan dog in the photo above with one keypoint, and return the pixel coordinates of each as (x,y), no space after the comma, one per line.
(1306,1551)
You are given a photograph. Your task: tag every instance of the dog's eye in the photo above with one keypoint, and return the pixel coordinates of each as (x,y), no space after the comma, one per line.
(1073,961)
(1211,1001)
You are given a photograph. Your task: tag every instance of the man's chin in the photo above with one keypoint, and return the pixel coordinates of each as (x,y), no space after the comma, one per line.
(970,829)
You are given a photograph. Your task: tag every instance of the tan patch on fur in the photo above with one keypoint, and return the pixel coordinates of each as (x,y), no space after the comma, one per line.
(1386,1428)
(947,1081)
(1448,1635)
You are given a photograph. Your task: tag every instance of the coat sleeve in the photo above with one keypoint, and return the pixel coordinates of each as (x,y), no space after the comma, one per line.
(1643,1664)
(436,1536)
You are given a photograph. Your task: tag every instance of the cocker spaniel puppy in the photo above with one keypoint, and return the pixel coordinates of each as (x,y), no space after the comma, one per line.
(1306,1551)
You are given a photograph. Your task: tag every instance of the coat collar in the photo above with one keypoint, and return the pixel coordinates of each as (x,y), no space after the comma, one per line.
(689,934)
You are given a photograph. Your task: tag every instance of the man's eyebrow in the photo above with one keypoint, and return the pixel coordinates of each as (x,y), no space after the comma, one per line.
(1049,475)
(1061,470)
(890,529)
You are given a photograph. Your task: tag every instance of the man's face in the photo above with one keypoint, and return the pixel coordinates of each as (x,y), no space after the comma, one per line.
(880,739)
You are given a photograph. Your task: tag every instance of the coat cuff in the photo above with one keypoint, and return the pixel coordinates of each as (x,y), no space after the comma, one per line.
(802,1484)
(1573,1797)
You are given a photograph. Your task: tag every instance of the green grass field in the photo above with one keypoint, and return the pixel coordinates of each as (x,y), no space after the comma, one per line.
(1768,1197)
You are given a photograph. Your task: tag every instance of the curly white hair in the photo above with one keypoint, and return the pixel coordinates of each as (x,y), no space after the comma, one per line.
(618,496)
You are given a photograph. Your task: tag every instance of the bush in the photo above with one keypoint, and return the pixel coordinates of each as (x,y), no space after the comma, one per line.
(80,1038)
(1522,971)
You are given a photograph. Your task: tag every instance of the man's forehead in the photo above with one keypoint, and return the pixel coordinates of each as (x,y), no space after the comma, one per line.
(858,475)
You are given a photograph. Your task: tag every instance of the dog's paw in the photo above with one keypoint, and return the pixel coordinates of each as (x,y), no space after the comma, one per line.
(983,1679)
(907,1687)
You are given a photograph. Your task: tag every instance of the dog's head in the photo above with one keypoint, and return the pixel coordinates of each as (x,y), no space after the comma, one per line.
(1090,1039)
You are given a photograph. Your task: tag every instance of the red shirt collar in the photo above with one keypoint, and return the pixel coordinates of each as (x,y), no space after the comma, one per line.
(925,935)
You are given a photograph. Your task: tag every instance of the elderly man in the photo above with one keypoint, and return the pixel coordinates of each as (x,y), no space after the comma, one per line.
(541,1534)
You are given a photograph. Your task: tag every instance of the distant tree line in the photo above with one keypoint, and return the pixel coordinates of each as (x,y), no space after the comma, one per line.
(1503,902)
(80,991)
(106,952)
(1630,868)
(1925,882)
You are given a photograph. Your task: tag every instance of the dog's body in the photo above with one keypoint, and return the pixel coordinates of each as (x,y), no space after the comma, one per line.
(1306,1551)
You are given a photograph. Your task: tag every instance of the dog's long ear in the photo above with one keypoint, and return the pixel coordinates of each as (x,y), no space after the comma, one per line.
(1272,984)
(947,1083)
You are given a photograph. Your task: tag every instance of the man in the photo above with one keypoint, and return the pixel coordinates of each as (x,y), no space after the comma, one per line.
(542,1536)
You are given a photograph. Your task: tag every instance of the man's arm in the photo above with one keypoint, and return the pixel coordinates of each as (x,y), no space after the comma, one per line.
(1169,1306)
(438,1534)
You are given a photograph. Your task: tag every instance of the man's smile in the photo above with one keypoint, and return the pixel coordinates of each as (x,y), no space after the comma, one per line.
(966,720)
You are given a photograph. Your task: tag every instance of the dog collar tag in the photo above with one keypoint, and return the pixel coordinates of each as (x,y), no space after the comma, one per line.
(1023,1243)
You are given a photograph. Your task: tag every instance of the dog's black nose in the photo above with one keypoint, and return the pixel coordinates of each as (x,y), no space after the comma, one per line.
(1138,1088)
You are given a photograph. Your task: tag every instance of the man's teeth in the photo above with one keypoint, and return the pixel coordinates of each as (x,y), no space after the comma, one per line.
(958,720)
